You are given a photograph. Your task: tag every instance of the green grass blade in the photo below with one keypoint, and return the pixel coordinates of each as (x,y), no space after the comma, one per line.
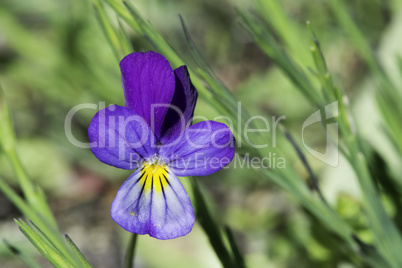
(22,256)
(238,257)
(211,228)
(108,29)
(387,236)
(83,261)
(221,90)
(7,143)
(46,249)
(274,14)
(388,96)
(27,211)
(126,45)
(264,39)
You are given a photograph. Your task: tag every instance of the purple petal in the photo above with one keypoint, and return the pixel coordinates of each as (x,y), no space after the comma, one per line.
(148,80)
(202,149)
(153,201)
(120,138)
(181,112)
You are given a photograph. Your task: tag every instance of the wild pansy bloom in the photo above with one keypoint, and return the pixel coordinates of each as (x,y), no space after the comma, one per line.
(154,134)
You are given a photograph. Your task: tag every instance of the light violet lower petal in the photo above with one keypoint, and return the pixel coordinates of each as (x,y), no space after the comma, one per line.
(155,203)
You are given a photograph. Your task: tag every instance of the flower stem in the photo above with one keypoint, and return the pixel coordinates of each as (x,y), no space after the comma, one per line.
(130,252)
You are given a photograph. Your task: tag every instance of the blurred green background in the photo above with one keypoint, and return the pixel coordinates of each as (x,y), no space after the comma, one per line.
(54,56)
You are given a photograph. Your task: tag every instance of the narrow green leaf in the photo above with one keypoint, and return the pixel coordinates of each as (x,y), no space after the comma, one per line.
(46,249)
(108,29)
(59,247)
(387,237)
(331,92)
(221,90)
(7,137)
(7,143)
(52,233)
(84,262)
(342,14)
(22,256)
(126,45)
(321,66)
(211,228)
(265,40)
(238,257)
(34,195)
(388,95)
(303,159)
(274,14)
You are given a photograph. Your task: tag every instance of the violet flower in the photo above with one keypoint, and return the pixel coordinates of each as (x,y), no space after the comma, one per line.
(154,134)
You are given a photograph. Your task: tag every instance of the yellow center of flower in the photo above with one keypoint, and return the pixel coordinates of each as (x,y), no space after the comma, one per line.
(154,177)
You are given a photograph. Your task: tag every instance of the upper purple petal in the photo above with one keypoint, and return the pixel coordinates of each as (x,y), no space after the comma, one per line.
(120,138)
(181,112)
(202,149)
(148,84)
